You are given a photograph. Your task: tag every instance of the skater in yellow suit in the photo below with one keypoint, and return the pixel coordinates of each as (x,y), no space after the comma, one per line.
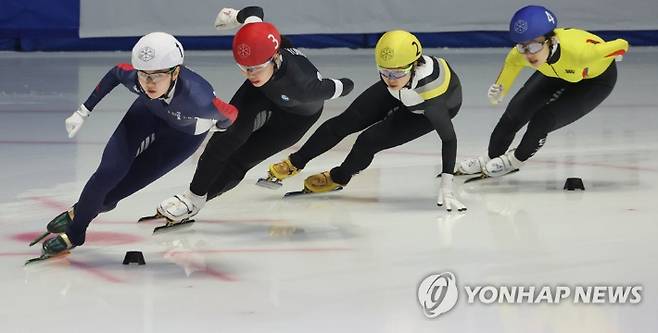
(576,71)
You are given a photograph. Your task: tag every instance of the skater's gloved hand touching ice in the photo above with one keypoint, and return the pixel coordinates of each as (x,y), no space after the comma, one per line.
(182,206)
(75,121)
(446,196)
(495,93)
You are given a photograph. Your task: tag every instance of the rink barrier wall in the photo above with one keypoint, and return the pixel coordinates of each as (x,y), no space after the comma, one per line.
(59,41)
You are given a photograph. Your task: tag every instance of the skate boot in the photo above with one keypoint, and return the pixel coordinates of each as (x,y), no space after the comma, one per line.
(471,166)
(56,225)
(320,183)
(177,210)
(57,245)
(502,164)
(54,247)
(278,172)
(182,206)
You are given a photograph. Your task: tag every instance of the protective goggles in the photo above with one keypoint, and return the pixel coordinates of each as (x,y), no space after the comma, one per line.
(256,68)
(155,76)
(531,48)
(395,73)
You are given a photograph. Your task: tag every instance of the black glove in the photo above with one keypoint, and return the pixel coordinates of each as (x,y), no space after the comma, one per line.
(348,86)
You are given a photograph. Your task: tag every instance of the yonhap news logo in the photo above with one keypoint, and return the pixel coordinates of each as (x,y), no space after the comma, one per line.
(439,293)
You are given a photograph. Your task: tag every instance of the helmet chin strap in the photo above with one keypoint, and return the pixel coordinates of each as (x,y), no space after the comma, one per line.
(553,44)
(139,87)
(278,60)
(172,83)
(411,75)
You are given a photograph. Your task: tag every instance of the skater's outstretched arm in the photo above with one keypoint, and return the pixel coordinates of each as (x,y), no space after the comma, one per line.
(316,88)
(514,63)
(196,100)
(440,118)
(121,73)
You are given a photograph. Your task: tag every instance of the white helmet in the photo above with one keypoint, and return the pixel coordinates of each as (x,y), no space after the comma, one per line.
(157,50)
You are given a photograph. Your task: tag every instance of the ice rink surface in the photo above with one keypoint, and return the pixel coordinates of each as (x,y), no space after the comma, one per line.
(349,261)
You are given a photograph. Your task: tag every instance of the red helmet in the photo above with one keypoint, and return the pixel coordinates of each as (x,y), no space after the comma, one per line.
(256,43)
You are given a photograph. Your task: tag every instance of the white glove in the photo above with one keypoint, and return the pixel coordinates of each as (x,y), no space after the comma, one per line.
(207,125)
(75,121)
(446,196)
(495,93)
(182,206)
(227,19)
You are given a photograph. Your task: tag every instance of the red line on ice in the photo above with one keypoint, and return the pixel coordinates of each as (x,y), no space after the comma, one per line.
(95,271)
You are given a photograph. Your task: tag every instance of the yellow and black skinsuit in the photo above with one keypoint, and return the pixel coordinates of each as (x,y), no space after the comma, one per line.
(579,74)
(390,118)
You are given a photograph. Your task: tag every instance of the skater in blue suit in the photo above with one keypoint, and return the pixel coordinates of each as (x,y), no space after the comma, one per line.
(167,122)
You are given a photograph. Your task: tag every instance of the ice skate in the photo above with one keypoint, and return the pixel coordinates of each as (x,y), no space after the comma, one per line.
(485,176)
(502,165)
(54,247)
(276,173)
(499,166)
(471,166)
(172,225)
(318,183)
(56,225)
(169,223)
(177,210)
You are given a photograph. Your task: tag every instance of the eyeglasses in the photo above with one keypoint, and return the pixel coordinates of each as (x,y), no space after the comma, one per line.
(395,73)
(531,48)
(256,68)
(155,77)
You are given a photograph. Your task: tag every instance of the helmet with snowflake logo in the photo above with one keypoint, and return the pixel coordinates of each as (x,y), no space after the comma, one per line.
(397,48)
(256,44)
(531,22)
(157,51)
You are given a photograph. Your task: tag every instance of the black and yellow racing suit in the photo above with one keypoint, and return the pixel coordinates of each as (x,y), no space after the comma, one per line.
(579,74)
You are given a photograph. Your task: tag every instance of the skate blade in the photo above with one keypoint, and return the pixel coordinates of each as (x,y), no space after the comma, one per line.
(38,239)
(271,184)
(307,192)
(44,257)
(170,226)
(484,176)
(157,216)
(459,173)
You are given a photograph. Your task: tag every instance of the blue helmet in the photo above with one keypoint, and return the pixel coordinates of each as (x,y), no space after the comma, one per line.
(531,22)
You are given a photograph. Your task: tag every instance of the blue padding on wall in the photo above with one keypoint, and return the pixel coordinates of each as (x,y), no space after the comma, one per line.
(41,19)
(60,42)
(8,44)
